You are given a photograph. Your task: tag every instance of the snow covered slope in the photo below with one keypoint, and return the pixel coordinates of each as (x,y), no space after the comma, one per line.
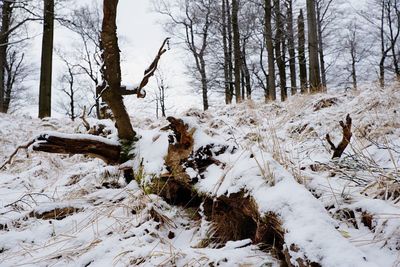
(75,211)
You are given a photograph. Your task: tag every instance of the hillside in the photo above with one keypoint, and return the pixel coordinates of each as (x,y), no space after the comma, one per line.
(60,210)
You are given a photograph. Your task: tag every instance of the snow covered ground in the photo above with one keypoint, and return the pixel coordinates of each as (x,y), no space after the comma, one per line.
(60,210)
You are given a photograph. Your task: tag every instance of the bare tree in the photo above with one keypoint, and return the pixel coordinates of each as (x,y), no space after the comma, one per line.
(280,49)
(236,49)
(291,46)
(67,81)
(270,49)
(302,53)
(161,95)
(86,23)
(46,66)
(314,69)
(190,21)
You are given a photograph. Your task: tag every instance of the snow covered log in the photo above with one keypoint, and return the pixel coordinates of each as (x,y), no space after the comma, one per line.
(246,194)
(99,147)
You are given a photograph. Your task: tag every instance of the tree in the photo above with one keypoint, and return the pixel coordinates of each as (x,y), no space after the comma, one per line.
(227,46)
(46,67)
(270,50)
(314,70)
(236,49)
(86,23)
(280,49)
(291,46)
(190,21)
(4,37)
(162,88)
(68,86)
(302,53)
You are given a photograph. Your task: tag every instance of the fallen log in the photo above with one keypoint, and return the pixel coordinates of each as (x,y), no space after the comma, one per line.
(95,146)
(281,217)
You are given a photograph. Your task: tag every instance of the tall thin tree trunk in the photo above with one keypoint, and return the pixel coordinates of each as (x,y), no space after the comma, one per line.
(291,48)
(279,50)
(46,67)
(227,84)
(236,49)
(302,53)
(112,71)
(270,50)
(383,52)
(246,72)
(314,70)
(321,49)
(230,47)
(4,36)
(204,82)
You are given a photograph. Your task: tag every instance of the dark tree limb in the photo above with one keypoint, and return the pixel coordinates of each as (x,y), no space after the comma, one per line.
(346,128)
(149,72)
(78,144)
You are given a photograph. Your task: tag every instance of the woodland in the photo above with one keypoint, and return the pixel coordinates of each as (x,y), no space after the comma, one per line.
(292,158)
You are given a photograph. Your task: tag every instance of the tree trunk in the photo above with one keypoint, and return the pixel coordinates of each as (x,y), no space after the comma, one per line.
(270,50)
(204,85)
(46,67)
(112,71)
(314,71)
(291,48)
(246,72)
(4,36)
(302,53)
(279,50)
(236,49)
(227,59)
(230,47)
(353,54)
(95,146)
(321,49)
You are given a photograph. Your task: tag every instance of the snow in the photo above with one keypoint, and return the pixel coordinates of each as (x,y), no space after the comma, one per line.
(276,154)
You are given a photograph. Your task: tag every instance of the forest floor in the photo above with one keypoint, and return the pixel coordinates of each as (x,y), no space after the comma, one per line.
(60,210)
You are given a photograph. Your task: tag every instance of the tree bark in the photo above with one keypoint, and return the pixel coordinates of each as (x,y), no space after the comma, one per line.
(314,70)
(236,49)
(321,49)
(279,50)
(78,144)
(4,36)
(291,48)
(112,71)
(227,59)
(270,50)
(302,53)
(46,68)
(230,48)
(246,72)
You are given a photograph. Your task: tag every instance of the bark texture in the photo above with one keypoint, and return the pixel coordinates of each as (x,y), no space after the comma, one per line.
(46,67)
(270,50)
(71,144)
(302,53)
(236,49)
(112,71)
(4,36)
(314,70)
